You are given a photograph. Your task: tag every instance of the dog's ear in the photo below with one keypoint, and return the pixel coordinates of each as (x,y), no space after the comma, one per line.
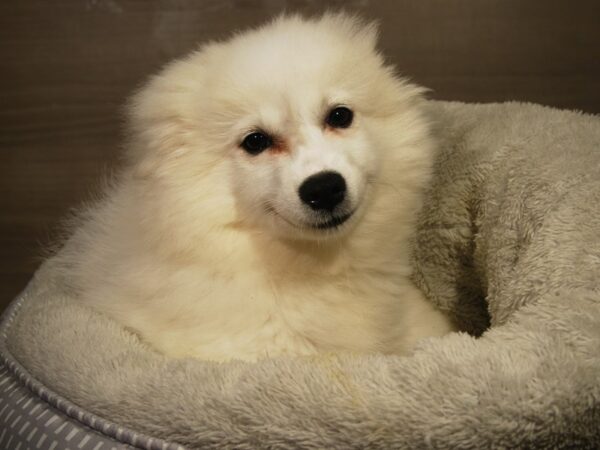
(368,32)
(358,30)
(160,116)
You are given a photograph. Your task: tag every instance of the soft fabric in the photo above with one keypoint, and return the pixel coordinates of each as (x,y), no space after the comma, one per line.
(510,237)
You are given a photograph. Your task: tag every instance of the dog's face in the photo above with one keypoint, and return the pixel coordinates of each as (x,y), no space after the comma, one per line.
(303,158)
(303,111)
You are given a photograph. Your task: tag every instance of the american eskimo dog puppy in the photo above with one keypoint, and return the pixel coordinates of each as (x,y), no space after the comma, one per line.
(267,203)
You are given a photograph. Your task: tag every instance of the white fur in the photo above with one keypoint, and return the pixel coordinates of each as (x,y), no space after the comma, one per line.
(207,251)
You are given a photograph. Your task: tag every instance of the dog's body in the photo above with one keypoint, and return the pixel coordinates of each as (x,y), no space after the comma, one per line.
(267,207)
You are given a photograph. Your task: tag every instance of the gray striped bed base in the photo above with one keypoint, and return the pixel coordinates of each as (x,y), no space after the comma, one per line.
(32,417)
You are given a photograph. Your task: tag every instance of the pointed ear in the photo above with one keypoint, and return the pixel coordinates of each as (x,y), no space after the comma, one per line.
(160,117)
(369,33)
(364,33)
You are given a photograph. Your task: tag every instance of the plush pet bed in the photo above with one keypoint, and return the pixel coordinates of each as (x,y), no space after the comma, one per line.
(509,242)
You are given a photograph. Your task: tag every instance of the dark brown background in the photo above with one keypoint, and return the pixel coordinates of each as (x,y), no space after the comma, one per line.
(68,65)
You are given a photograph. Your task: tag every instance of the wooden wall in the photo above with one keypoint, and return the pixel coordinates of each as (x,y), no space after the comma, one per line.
(66,67)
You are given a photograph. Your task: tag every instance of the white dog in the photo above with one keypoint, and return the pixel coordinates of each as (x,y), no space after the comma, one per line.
(267,203)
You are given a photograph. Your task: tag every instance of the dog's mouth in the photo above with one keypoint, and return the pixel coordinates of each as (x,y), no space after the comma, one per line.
(331,223)
(334,222)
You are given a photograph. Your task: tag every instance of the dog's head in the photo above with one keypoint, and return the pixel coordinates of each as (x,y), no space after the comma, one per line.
(286,128)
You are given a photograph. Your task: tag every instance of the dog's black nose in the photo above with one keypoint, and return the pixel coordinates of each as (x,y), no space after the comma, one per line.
(323,190)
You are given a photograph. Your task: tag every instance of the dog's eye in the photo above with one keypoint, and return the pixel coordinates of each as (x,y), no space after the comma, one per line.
(340,117)
(256,142)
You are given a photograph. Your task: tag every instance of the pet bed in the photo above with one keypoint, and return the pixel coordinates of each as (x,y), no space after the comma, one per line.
(508,242)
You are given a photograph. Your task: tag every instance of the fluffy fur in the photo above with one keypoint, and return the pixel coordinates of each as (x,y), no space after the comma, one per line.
(207,251)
